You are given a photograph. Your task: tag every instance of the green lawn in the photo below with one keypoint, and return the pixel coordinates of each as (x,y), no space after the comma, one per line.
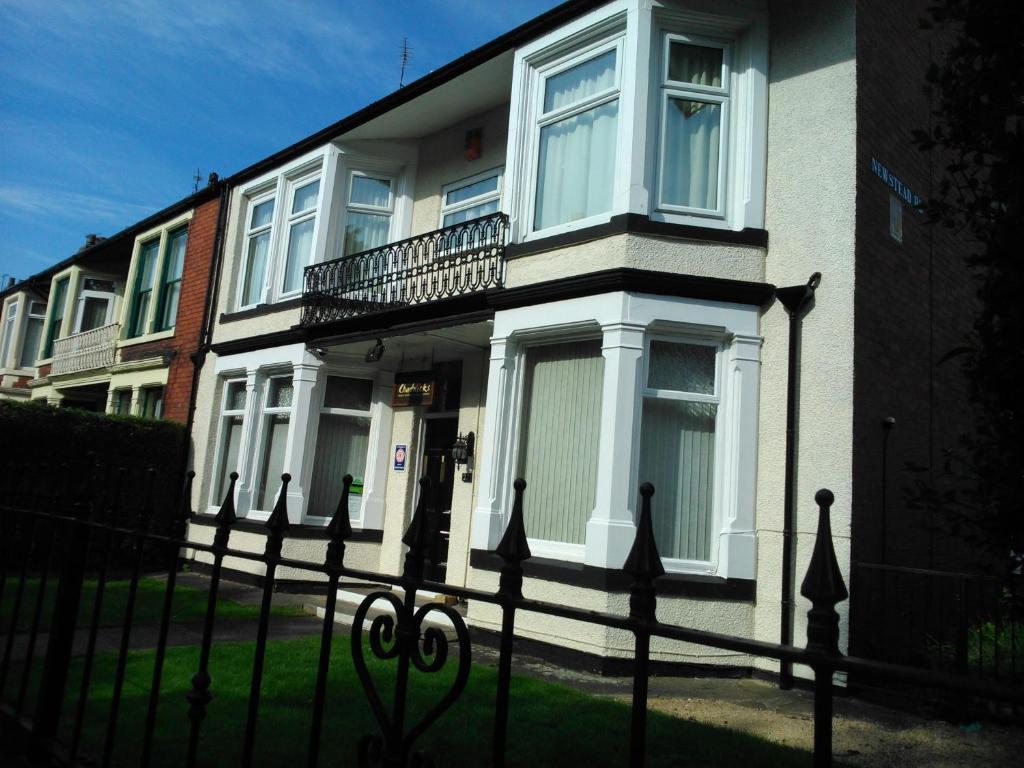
(189,604)
(549,724)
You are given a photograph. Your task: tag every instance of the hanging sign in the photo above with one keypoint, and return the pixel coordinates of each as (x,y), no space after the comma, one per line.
(401,453)
(413,389)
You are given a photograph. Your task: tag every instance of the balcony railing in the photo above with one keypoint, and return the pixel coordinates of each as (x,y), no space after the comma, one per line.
(85,351)
(457,260)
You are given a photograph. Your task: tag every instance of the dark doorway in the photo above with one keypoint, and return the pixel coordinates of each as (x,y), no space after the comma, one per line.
(437,464)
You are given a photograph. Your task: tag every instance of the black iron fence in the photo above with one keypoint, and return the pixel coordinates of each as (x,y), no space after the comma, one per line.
(459,259)
(965,623)
(72,530)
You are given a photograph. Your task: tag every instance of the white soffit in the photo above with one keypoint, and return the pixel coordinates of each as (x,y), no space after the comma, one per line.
(476,91)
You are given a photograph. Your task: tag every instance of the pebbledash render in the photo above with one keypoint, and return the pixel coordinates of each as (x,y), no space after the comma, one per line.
(557,258)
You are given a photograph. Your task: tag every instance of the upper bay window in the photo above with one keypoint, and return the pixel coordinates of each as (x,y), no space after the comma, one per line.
(58,298)
(471,198)
(371,204)
(640,108)
(279,226)
(155,280)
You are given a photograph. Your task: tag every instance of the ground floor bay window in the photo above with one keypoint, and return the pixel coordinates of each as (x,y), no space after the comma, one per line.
(589,397)
(284,411)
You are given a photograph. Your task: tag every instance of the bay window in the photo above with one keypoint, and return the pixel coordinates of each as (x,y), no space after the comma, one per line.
(577,132)
(33,334)
(230,441)
(471,198)
(371,204)
(694,103)
(257,249)
(559,431)
(276,422)
(10,322)
(342,442)
(301,223)
(677,445)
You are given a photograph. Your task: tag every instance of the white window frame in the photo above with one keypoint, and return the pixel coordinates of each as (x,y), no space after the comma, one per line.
(157,298)
(84,293)
(496,195)
(265,418)
(9,341)
(220,454)
(673,89)
(23,331)
(279,186)
(351,207)
(722,427)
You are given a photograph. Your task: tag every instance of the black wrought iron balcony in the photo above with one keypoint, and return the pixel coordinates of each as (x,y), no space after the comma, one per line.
(460,259)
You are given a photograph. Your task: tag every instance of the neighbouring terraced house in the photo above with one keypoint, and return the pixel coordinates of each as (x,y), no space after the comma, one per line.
(562,257)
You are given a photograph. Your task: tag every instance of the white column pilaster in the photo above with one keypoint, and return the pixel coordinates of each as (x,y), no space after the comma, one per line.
(611,530)
(738,541)
(245,488)
(488,517)
(378,455)
(299,451)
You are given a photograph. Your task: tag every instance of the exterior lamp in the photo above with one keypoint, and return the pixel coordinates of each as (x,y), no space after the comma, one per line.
(375,353)
(462,452)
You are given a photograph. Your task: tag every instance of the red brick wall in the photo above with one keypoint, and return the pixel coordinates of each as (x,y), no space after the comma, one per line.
(914,302)
(195,285)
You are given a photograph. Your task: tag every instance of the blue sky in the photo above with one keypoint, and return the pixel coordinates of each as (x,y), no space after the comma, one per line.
(108,107)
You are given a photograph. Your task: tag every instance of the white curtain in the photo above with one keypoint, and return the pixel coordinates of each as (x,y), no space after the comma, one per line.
(692,144)
(300,245)
(364,231)
(559,434)
(229,463)
(341,445)
(255,268)
(30,349)
(580,82)
(677,455)
(695,64)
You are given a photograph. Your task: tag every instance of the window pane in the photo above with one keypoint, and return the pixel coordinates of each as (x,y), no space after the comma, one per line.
(139,312)
(94,313)
(236,396)
(577,166)
(9,321)
(37,308)
(581,81)
(677,455)
(56,319)
(123,402)
(682,367)
(692,131)
(343,392)
(229,462)
(175,255)
(153,403)
(280,393)
(147,265)
(30,349)
(305,197)
(300,245)
(365,231)
(262,214)
(170,312)
(341,445)
(475,189)
(273,462)
(367,190)
(695,64)
(255,267)
(94,284)
(559,438)
(473,212)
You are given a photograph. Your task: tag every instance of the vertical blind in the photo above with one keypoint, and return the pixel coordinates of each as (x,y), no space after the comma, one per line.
(341,445)
(559,436)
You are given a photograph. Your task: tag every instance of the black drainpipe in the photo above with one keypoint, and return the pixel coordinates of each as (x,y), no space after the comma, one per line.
(797,300)
(206,329)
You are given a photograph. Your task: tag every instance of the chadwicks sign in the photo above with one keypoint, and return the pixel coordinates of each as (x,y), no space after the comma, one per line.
(413,389)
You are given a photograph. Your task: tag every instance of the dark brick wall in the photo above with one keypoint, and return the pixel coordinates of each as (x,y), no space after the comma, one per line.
(914,302)
(195,286)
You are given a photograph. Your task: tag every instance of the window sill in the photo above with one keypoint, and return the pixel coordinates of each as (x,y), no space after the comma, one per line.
(615,581)
(145,338)
(635,223)
(260,310)
(301,531)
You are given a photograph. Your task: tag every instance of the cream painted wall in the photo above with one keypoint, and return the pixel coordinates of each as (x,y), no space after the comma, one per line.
(442,161)
(689,257)
(810,217)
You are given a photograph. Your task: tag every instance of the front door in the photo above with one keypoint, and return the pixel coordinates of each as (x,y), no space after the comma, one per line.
(437,464)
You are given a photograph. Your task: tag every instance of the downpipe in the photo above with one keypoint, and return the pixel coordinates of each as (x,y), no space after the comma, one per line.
(797,301)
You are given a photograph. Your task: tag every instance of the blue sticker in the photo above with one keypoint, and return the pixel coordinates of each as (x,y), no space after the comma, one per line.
(401,452)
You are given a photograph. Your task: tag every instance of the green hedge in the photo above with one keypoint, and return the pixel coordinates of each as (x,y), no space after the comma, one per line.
(121,448)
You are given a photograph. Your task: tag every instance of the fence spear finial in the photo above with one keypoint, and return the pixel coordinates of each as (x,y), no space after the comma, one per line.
(513,547)
(340,527)
(277,523)
(226,516)
(644,562)
(823,584)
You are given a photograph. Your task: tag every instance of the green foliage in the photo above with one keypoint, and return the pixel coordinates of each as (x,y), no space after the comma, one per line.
(979,87)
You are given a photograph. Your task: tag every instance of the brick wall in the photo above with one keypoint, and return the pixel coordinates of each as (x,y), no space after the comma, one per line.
(195,285)
(914,302)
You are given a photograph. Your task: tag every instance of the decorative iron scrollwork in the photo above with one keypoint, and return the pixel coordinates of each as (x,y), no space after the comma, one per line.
(404,637)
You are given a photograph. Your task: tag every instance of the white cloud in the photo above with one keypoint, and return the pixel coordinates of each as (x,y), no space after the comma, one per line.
(92,210)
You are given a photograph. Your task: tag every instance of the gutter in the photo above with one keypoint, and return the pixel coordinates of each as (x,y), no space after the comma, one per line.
(798,301)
